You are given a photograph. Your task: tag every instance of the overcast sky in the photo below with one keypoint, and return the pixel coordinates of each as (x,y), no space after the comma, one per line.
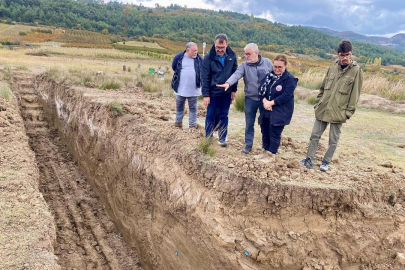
(367,17)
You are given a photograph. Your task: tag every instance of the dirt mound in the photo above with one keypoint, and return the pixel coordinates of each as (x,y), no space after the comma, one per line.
(365,101)
(380,103)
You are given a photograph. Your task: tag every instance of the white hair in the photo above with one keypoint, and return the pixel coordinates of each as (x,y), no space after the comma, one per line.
(252,46)
(190,44)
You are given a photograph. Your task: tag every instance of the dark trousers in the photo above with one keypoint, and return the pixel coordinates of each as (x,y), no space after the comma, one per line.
(221,104)
(251,108)
(271,135)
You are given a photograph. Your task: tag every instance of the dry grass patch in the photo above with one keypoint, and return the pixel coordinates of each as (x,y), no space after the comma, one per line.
(311,79)
(141,44)
(14,30)
(89,52)
(5,92)
(154,83)
(378,84)
(87,45)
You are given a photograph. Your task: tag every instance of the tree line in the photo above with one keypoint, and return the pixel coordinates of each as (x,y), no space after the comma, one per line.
(182,24)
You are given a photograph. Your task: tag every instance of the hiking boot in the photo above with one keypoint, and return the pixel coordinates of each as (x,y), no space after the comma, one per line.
(247,149)
(324,166)
(178,125)
(223,143)
(307,163)
(194,127)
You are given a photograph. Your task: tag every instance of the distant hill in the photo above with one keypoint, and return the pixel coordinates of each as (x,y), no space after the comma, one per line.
(177,23)
(396,42)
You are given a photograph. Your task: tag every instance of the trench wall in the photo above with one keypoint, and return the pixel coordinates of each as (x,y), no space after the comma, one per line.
(180,212)
(27,229)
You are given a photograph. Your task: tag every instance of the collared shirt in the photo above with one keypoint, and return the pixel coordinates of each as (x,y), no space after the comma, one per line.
(222,59)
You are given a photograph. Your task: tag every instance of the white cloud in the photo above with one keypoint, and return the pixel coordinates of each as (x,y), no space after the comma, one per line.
(267,15)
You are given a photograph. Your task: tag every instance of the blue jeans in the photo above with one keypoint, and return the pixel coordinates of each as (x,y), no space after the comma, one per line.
(251,107)
(271,135)
(221,104)
(192,107)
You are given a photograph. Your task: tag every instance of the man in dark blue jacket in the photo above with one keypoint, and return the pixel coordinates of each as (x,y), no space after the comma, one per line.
(186,83)
(218,65)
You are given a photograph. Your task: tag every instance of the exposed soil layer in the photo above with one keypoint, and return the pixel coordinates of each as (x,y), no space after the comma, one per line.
(86,238)
(27,229)
(180,209)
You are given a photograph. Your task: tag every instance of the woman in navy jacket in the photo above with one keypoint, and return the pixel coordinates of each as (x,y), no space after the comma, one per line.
(277,95)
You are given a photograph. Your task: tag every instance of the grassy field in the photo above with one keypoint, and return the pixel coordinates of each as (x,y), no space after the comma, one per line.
(4,26)
(79,67)
(141,44)
(7,30)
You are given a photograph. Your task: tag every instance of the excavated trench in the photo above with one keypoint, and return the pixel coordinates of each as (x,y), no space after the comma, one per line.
(175,208)
(86,236)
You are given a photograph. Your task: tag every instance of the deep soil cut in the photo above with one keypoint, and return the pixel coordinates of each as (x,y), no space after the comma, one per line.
(86,238)
(179,209)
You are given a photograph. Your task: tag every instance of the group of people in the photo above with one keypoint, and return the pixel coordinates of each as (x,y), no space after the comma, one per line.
(269,89)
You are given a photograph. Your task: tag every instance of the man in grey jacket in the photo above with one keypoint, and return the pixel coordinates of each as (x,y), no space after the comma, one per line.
(253,71)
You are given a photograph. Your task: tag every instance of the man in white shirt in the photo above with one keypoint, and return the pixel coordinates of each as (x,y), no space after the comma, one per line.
(186,83)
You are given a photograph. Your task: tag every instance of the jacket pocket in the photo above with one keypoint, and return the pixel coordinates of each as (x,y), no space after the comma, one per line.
(328,83)
(346,87)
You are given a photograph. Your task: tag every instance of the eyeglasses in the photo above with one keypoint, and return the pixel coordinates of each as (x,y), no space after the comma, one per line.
(345,55)
(220,48)
(278,67)
(249,54)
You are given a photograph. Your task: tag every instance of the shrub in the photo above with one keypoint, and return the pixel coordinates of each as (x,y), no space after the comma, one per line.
(110,85)
(21,33)
(239,101)
(117,108)
(205,146)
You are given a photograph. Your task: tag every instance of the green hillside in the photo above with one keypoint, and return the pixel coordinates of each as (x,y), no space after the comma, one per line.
(181,24)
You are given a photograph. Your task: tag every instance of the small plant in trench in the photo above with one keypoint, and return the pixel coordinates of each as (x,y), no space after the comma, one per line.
(5,92)
(205,146)
(110,85)
(117,108)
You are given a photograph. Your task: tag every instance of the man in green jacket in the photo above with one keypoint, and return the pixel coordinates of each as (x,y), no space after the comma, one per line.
(335,103)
